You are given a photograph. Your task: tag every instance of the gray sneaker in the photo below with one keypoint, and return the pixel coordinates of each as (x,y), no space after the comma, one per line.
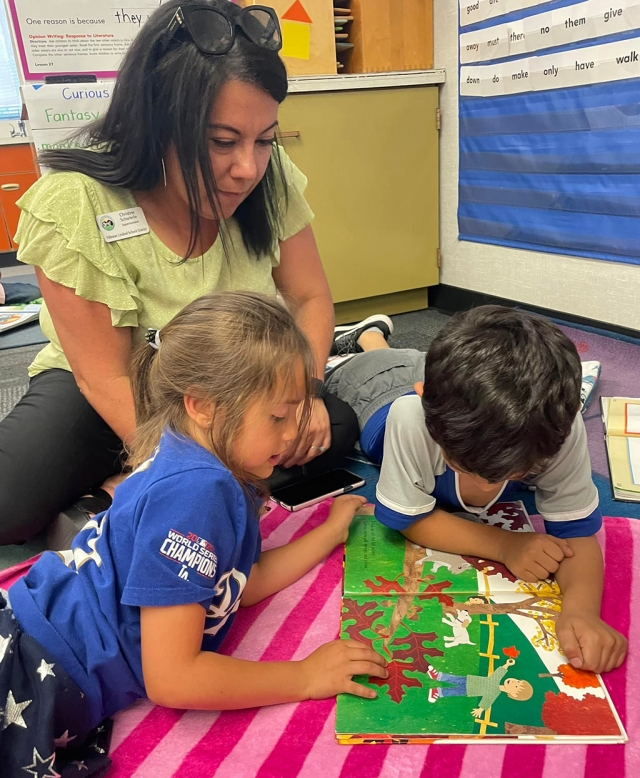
(345,338)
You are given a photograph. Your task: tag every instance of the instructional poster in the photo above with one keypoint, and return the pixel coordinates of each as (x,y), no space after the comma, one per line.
(75,36)
(550,126)
(58,111)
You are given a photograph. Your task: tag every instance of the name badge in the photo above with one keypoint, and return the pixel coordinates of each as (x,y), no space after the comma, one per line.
(122,224)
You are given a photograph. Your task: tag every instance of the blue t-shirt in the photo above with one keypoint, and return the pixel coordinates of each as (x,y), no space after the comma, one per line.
(181,530)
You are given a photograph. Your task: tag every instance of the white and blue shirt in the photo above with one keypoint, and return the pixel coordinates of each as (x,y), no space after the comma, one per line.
(414,478)
(181,530)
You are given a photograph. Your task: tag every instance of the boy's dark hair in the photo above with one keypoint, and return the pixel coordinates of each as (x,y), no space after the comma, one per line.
(501,391)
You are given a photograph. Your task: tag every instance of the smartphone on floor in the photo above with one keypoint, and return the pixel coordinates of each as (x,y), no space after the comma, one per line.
(317,489)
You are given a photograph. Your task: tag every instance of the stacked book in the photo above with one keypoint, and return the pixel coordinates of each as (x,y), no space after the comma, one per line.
(342,21)
(621,418)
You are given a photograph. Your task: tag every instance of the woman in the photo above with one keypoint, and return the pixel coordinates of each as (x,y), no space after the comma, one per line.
(183,191)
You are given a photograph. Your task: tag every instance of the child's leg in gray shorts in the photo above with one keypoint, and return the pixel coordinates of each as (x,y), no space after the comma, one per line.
(369,381)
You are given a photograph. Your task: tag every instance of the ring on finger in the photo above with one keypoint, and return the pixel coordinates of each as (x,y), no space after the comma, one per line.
(321,449)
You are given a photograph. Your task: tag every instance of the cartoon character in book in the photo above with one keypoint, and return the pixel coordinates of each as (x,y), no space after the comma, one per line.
(460,625)
(487,688)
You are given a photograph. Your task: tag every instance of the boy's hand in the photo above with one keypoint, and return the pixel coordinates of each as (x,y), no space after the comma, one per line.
(589,643)
(341,515)
(329,670)
(477,712)
(533,556)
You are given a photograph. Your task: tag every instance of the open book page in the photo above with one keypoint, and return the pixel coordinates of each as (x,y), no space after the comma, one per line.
(624,462)
(472,650)
(15,315)
(623,417)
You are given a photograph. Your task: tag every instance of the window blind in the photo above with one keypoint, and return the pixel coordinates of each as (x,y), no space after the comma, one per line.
(10,100)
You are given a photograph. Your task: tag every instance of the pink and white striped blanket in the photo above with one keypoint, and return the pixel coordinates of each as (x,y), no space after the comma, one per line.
(297,740)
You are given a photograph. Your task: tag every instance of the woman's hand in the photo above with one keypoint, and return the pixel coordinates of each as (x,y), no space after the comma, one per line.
(315,440)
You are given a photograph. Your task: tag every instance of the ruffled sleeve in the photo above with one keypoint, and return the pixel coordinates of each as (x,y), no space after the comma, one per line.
(296,213)
(57,232)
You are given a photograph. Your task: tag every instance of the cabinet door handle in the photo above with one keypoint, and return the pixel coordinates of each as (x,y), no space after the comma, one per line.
(9,187)
(290,134)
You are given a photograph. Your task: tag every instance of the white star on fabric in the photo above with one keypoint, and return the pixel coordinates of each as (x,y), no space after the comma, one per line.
(64,739)
(45,669)
(38,762)
(13,712)
(4,645)
(81,766)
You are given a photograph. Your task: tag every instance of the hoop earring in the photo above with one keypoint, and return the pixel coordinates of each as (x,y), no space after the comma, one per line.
(164,173)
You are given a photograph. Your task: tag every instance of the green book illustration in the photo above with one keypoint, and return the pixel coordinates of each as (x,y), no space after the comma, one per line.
(472,651)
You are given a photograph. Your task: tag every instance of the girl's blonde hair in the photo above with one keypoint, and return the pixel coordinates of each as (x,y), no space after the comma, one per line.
(230,348)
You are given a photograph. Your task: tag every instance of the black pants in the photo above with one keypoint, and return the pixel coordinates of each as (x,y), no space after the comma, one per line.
(44,726)
(54,448)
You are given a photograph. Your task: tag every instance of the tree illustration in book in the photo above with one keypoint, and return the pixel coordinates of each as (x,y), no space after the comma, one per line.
(472,650)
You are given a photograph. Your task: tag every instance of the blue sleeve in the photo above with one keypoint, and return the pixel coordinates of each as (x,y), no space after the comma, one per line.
(185,538)
(393,519)
(579,528)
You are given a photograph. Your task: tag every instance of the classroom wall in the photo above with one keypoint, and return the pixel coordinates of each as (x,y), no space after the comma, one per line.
(604,291)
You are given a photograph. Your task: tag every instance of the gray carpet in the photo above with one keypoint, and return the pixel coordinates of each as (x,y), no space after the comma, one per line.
(417,329)
(13,375)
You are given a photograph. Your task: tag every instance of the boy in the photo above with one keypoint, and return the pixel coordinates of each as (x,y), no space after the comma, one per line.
(495,400)
(486,687)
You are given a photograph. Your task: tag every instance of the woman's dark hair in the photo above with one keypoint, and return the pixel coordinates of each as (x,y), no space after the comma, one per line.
(501,391)
(164,94)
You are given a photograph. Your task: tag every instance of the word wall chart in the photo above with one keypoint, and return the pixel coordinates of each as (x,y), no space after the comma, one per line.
(549,110)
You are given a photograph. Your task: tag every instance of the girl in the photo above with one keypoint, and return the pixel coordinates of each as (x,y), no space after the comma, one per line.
(187,148)
(148,591)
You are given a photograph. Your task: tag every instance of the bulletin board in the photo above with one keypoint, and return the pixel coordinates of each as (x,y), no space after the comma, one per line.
(56,37)
(308,35)
(549,112)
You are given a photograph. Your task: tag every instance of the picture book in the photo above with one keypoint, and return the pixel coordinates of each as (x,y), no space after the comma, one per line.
(621,418)
(15,315)
(472,651)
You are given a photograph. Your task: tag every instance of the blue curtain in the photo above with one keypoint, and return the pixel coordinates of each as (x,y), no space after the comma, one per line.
(555,171)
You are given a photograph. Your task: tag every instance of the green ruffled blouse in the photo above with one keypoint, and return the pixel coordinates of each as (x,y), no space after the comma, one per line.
(141,281)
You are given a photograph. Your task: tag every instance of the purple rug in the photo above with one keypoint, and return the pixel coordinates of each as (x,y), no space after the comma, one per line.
(620,377)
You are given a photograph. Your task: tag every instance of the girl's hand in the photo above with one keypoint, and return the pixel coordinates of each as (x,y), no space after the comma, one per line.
(329,670)
(341,515)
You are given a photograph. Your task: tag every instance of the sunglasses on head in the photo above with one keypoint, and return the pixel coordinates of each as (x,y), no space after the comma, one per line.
(213,30)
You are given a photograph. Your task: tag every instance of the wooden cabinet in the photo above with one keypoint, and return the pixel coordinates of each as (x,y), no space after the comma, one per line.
(17,173)
(390,35)
(371,157)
